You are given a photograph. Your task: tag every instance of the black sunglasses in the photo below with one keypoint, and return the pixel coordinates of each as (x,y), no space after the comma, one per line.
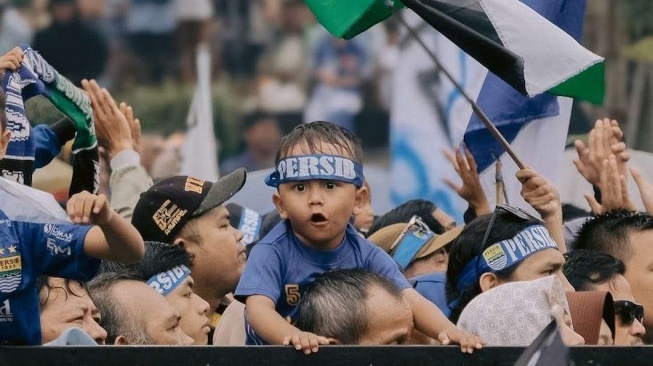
(515,211)
(629,311)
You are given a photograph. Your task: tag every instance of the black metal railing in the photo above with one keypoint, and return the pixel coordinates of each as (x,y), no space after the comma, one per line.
(327,356)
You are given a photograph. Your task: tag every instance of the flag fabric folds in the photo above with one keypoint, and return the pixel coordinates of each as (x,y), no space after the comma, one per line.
(199,152)
(508,109)
(508,37)
(519,45)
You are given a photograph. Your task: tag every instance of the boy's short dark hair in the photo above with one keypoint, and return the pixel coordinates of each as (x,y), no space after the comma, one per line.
(320,131)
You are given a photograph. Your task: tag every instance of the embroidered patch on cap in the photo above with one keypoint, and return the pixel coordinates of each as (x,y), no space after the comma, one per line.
(165,282)
(312,167)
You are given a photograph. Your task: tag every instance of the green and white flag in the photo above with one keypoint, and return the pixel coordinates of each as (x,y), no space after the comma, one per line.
(507,37)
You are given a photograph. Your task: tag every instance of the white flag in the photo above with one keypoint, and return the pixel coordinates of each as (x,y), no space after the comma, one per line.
(199,152)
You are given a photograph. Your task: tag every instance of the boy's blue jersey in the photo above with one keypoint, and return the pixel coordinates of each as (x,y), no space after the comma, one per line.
(281,267)
(27,251)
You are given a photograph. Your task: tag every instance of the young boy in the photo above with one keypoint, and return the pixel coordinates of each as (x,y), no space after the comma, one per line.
(319,181)
(56,247)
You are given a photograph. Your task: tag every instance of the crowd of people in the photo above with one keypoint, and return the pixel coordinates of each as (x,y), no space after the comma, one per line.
(165,260)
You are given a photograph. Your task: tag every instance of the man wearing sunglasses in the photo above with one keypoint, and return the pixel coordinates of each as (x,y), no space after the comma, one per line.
(588,270)
(627,236)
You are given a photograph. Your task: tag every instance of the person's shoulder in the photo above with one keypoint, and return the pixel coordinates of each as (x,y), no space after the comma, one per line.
(279,234)
(434,277)
(355,238)
(278,241)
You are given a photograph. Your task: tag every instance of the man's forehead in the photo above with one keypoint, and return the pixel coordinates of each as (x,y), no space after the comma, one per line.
(618,286)
(217,213)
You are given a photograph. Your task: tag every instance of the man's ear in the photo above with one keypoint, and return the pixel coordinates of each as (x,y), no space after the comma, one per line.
(278,203)
(121,341)
(4,142)
(488,281)
(441,257)
(188,245)
(362,195)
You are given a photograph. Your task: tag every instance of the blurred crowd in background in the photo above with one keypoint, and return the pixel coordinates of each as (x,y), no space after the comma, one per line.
(273,63)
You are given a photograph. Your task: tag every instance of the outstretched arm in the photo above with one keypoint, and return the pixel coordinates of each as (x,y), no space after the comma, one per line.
(267,323)
(113,238)
(543,196)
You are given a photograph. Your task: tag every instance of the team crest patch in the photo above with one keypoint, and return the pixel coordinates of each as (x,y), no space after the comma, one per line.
(10,269)
(168,216)
(495,257)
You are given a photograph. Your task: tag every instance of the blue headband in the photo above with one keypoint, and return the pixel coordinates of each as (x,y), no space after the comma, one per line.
(312,167)
(165,282)
(505,254)
(249,225)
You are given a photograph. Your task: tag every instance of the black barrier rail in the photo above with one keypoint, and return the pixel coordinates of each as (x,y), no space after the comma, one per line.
(327,356)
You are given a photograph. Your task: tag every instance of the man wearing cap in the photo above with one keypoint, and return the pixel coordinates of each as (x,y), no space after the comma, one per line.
(189,212)
(420,254)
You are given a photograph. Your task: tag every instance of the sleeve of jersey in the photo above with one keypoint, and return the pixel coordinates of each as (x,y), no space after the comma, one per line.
(262,274)
(380,262)
(59,250)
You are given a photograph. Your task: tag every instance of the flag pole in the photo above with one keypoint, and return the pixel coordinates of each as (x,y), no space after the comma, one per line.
(477,110)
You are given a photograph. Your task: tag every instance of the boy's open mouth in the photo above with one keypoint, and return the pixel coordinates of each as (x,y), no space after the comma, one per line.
(318,217)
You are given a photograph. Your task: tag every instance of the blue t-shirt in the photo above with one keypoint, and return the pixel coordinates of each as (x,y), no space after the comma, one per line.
(27,251)
(281,267)
(431,286)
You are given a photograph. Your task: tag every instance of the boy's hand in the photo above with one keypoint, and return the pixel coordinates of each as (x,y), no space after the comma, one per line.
(539,193)
(11,60)
(467,341)
(305,341)
(87,208)
(471,189)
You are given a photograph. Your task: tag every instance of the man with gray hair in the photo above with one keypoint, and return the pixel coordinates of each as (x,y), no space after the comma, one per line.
(355,306)
(134,313)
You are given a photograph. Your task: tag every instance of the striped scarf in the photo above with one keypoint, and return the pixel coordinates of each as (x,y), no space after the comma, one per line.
(37,77)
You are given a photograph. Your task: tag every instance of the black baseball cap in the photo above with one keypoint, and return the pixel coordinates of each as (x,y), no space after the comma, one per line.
(168,205)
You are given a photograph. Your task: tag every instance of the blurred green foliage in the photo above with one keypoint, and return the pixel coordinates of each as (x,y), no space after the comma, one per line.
(638,18)
(163,109)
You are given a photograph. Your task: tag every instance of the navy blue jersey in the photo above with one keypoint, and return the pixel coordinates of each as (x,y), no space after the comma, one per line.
(280,266)
(27,251)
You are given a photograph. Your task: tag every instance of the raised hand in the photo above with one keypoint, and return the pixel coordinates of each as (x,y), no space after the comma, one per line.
(134,125)
(614,189)
(604,140)
(11,60)
(87,208)
(538,192)
(111,125)
(471,189)
(645,188)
